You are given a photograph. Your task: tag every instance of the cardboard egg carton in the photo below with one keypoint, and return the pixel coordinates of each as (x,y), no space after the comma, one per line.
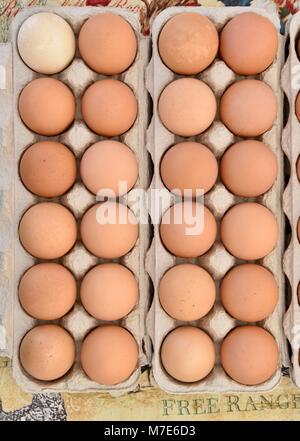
(217,261)
(290,81)
(15,260)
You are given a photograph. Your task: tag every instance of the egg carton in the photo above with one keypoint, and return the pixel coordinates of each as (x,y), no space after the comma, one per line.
(217,261)
(17,199)
(291,198)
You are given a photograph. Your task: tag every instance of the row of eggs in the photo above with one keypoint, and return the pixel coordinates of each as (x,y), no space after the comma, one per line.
(188,43)
(187,107)
(109,354)
(109,291)
(48,168)
(48,230)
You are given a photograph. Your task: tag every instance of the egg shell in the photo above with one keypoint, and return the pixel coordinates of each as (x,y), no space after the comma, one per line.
(47,291)
(240,112)
(249,292)
(109,354)
(249,355)
(188,229)
(248,168)
(108,166)
(47,106)
(188,354)
(249,231)
(109,107)
(107,43)
(48,230)
(109,230)
(48,169)
(189,166)
(187,106)
(249,43)
(109,291)
(46,43)
(47,352)
(188,43)
(187,292)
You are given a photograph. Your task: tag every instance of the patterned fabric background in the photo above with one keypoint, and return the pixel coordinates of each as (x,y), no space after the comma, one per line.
(148,403)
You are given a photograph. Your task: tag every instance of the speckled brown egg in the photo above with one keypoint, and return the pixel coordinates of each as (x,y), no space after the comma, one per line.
(249,231)
(248,43)
(47,106)
(109,230)
(48,169)
(109,354)
(107,43)
(250,355)
(187,107)
(249,292)
(189,167)
(187,292)
(109,291)
(109,168)
(109,107)
(248,168)
(47,291)
(188,43)
(188,354)
(47,352)
(188,229)
(48,230)
(248,108)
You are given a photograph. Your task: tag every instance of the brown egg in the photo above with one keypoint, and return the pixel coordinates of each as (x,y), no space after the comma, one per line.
(47,352)
(109,355)
(109,230)
(249,231)
(187,107)
(109,166)
(248,43)
(47,230)
(188,229)
(248,168)
(189,166)
(248,108)
(107,43)
(297,107)
(188,354)
(47,106)
(48,169)
(187,292)
(249,355)
(249,292)
(47,291)
(109,107)
(109,291)
(188,43)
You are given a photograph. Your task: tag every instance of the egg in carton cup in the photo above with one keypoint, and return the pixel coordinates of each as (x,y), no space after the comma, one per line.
(16,138)
(290,80)
(217,261)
